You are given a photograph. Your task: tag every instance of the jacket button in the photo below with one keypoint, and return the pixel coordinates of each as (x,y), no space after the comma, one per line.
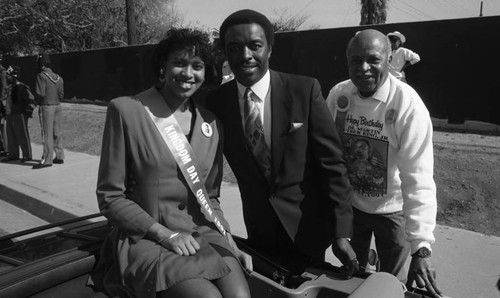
(182,206)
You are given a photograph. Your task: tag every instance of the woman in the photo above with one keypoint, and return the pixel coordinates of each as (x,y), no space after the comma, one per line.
(162,244)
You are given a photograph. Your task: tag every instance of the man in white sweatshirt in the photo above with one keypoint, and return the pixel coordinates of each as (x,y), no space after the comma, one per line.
(395,193)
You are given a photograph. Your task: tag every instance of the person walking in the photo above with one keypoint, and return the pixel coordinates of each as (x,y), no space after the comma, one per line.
(50,92)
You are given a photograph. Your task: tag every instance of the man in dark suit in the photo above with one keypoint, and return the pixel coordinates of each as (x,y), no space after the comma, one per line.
(295,193)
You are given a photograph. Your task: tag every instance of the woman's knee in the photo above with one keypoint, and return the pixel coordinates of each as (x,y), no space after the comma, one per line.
(234,284)
(192,288)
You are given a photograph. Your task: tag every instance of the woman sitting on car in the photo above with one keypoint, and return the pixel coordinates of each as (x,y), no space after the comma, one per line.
(159,149)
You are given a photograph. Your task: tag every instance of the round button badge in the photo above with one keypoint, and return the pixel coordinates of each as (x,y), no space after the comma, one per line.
(206,129)
(343,104)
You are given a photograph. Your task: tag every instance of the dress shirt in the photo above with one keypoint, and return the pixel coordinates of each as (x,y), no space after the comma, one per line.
(262,98)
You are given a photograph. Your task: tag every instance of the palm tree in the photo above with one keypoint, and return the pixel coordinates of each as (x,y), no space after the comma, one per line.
(131,27)
(373,12)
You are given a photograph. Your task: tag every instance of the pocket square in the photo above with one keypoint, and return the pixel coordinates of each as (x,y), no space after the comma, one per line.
(295,126)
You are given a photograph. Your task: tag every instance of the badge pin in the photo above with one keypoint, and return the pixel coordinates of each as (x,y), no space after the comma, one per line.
(390,116)
(206,129)
(343,104)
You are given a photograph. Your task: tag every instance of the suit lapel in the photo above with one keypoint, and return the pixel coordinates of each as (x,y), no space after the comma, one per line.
(280,120)
(233,114)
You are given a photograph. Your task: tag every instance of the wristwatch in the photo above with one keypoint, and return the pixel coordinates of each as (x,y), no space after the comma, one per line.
(423,253)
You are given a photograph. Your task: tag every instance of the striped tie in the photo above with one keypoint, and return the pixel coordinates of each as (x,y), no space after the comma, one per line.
(254,133)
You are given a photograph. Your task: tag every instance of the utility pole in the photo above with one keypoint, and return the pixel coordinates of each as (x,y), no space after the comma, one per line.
(481,10)
(370,11)
(130,15)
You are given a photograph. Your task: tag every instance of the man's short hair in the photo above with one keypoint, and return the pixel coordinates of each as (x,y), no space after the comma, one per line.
(44,59)
(247,16)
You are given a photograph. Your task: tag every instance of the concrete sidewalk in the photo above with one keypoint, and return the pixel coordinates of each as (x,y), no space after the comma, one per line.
(468,263)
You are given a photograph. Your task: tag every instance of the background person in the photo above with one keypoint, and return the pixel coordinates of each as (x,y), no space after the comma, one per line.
(167,247)
(227,73)
(50,92)
(401,57)
(17,118)
(402,216)
(3,93)
(283,152)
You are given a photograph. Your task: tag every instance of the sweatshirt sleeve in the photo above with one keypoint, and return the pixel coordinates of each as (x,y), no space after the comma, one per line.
(416,163)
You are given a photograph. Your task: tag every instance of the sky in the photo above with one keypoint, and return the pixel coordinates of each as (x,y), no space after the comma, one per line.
(334,13)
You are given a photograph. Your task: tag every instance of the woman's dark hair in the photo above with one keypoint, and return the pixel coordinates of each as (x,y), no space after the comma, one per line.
(247,16)
(180,39)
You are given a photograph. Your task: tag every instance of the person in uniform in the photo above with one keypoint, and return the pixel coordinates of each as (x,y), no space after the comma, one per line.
(3,88)
(50,92)
(17,118)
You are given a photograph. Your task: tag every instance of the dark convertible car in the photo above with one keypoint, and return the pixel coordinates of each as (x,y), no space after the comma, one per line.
(54,261)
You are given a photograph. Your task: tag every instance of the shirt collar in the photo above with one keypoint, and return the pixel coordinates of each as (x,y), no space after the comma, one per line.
(382,92)
(260,88)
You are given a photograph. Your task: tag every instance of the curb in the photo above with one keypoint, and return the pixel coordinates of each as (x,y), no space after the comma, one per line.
(469,126)
(34,206)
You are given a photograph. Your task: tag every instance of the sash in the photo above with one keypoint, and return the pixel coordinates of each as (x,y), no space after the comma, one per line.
(184,156)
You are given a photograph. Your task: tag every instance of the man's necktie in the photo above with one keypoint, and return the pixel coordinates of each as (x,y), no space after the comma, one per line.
(254,133)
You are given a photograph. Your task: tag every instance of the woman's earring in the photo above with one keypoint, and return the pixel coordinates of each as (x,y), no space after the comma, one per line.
(161,79)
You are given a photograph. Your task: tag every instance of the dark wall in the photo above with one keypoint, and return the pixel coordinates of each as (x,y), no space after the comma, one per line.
(106,73)
(456,77)
(98,74)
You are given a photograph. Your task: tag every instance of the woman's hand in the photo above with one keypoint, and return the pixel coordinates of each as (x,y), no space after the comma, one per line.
(245,259)
(181,243)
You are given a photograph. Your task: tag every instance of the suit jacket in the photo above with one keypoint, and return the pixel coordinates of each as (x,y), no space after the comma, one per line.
(49,88)
(19,99)
(309,191)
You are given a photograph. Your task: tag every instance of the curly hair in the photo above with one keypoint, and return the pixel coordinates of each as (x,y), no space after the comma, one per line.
(180,39)
(247,16)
